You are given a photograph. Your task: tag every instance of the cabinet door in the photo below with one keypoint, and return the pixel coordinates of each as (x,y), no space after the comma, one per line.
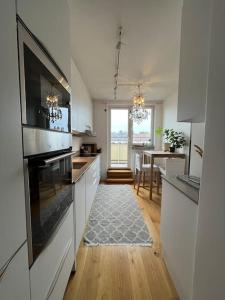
(48,270)
(80,208)
(91,180)
(12,203)
(14,282)
(194,54)
(178,231)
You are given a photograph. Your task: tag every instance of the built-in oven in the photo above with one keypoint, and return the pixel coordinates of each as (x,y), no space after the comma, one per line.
(47,141)
(48,186)
(45,93)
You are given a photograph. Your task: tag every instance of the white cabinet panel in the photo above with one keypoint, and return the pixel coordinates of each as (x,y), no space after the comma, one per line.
(194,62)
(80,208)
(82,106)
(50,22)
(58,290)
(45,274)
(92,181)
(12,203)
(14,283)
(178,231)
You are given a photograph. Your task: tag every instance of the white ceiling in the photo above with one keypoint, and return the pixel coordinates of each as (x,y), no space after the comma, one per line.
(151,45)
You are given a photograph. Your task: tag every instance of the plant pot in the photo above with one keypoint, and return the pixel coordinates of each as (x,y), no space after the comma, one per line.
(172,149)
(166,147)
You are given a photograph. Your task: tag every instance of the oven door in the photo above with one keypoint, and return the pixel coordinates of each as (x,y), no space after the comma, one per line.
(50,196)
(45,93)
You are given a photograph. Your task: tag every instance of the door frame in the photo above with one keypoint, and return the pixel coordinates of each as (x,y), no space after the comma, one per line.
(119,107)
(130,162)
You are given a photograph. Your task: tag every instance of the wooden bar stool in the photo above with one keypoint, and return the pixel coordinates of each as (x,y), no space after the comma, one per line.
(140,172)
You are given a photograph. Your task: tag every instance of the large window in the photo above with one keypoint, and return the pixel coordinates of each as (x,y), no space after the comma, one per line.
(143,132)
(119,137)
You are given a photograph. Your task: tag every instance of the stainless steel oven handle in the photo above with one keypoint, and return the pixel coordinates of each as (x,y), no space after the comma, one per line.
(53,159)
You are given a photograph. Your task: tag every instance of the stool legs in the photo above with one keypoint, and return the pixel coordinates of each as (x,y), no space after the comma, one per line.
(139,180)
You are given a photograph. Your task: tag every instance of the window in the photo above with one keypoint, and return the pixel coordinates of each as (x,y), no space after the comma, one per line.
(143,132)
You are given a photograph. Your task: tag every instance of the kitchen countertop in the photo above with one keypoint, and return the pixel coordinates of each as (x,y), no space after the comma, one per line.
(77,173)
(189,191)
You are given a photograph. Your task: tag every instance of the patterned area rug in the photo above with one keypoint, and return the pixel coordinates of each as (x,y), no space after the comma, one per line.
(116,219)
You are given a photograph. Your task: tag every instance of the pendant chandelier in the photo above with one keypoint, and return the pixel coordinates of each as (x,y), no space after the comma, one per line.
(54,112)
(138,113)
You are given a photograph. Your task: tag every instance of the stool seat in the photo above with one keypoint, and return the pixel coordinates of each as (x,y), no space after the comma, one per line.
(146,167)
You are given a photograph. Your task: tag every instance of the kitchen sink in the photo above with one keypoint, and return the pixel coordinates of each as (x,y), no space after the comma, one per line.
(78,165)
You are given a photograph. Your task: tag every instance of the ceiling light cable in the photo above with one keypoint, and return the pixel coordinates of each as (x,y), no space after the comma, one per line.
(117,64)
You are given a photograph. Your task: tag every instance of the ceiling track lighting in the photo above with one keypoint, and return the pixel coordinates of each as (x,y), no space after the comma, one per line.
(117,63)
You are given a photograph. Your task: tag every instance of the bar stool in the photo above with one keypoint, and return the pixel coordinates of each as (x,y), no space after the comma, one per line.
(140,172)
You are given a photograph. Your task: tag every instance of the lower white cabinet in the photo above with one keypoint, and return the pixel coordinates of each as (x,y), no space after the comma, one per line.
(50,272)
(84,194)
(14,280)
(79,209)
(178,235)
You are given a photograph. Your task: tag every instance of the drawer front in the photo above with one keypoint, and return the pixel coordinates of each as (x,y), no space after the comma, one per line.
(48,264)
(80,209)
(60,281)
(14,281)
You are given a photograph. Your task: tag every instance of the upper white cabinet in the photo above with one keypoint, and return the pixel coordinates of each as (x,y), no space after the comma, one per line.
(50,22)
(82,106)
(12,202)
(194,60)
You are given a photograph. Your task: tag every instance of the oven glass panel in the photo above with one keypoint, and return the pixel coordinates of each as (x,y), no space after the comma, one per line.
(41,85)
(50,197)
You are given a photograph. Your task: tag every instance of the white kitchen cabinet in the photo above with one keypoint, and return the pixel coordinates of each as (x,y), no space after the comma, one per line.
(79,209)
(178,232)
(194,60)
(50,272)
(92,181)
(50,22)
(14,283)
(12,203)
(82,106)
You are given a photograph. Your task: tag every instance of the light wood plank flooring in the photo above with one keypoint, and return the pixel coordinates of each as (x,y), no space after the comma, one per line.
(124,273)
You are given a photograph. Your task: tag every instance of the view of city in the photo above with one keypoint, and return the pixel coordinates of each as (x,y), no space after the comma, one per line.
(119,135)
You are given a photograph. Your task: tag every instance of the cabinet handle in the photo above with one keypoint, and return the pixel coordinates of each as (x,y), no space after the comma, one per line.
(54,281)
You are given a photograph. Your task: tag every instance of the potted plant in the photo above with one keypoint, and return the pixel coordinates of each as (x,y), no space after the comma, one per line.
(160,132)
(175,138)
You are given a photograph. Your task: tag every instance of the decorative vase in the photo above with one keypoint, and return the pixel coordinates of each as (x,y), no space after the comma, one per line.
(166,147)
(172,149)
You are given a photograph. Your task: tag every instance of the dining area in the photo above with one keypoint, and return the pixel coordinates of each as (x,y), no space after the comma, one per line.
(150,165)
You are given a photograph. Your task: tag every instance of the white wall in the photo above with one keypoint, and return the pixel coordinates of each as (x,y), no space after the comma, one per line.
(169,120)
(170,117)
(197,138)
(49,21)
(101,127)
(210,250)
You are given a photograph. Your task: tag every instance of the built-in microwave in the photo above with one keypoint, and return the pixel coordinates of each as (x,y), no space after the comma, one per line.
(45,92)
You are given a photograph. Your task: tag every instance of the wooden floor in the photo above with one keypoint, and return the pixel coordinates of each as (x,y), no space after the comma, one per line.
(124,272)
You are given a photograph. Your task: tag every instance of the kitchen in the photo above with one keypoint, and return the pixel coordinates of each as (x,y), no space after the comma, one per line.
(41,161)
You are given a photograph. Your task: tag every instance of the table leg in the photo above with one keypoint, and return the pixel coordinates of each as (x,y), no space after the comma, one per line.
(151,177)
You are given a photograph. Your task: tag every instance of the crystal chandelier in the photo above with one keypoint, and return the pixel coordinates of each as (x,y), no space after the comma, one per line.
(54,112)
(138,113)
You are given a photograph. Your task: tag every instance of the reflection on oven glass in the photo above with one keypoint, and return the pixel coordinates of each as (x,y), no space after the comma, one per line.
(51,195)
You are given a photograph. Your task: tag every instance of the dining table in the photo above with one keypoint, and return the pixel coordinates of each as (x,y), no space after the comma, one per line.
(152,154)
